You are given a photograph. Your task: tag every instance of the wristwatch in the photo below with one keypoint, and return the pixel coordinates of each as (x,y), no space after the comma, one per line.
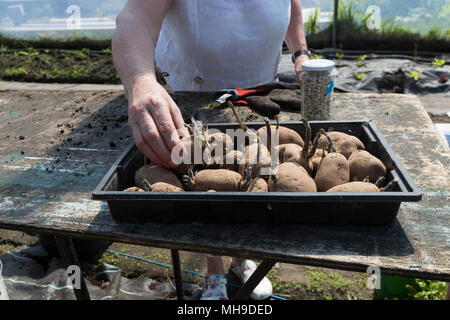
(299,53)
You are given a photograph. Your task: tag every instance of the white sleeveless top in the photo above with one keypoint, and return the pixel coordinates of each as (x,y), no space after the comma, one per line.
(208,45)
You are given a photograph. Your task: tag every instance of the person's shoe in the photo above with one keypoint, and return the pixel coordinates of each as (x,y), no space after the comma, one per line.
(215,287)
(263,290)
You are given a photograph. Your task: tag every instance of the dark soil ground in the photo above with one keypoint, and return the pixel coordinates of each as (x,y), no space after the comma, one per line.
(54,65)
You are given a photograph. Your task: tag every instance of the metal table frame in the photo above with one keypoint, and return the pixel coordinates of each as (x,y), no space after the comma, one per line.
(69,256)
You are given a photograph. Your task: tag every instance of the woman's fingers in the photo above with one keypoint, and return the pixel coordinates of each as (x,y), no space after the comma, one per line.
(178,121)
(156,123)
(160,112)
(152,136)
(142,145)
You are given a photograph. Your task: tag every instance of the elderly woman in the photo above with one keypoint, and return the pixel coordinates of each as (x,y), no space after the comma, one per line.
(204,46)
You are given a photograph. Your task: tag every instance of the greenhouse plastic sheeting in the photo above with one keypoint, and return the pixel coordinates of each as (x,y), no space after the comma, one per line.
(30,274)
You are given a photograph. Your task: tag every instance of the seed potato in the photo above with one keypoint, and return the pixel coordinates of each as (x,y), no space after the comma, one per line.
(343,142)
(258,185)
(285,135)
(363,164)
(133,189)
(290,177)
(155,173)
(165,187)
(355,186)
(333,170)
(216,179)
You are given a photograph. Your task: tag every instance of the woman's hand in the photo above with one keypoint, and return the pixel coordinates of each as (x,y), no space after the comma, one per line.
(155,120)
(298,66)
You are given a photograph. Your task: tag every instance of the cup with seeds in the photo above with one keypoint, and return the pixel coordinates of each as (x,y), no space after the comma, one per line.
(317,89)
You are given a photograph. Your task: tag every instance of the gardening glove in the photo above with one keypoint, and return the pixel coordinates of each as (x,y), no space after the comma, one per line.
(266,99)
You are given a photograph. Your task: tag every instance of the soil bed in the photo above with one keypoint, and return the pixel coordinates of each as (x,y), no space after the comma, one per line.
(54,65)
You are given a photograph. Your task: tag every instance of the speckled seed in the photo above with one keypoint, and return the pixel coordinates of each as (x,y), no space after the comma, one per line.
(316,103)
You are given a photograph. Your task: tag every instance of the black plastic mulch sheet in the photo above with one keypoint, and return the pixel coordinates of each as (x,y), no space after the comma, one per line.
(383,75)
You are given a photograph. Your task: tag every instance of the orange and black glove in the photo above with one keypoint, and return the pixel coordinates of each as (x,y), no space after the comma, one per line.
(266,99)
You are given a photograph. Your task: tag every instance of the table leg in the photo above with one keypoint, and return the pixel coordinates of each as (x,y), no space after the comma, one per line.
(177,274)
(255,279)
(447,294)
(70,257)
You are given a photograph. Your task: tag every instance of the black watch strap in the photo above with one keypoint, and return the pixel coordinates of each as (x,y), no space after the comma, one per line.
(300,52)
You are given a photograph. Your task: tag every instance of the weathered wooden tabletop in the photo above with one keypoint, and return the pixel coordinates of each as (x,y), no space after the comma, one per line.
(56,146)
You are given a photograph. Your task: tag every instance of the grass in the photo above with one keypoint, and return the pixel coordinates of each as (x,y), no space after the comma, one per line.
(322,284)
(312,25)
(353,34)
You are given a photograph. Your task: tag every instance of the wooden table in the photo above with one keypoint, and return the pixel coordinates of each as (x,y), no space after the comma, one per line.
(56,145)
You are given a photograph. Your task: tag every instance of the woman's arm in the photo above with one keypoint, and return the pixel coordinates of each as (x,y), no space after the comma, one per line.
(153,116)
(295,36)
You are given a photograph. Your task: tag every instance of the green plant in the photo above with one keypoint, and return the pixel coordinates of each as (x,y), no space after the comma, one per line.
(348,15)
(312,22)
(339,55)
(77,73)
(428,290)
(316,56)
(16,71)
(361,61)
(59,73)
(30,52)
(359,75)
(438,62)
(3,49)
(78,54)
(45,59)
(415,75)
(436,33)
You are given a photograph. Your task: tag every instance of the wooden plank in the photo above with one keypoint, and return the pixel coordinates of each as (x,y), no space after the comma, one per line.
(57,200)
